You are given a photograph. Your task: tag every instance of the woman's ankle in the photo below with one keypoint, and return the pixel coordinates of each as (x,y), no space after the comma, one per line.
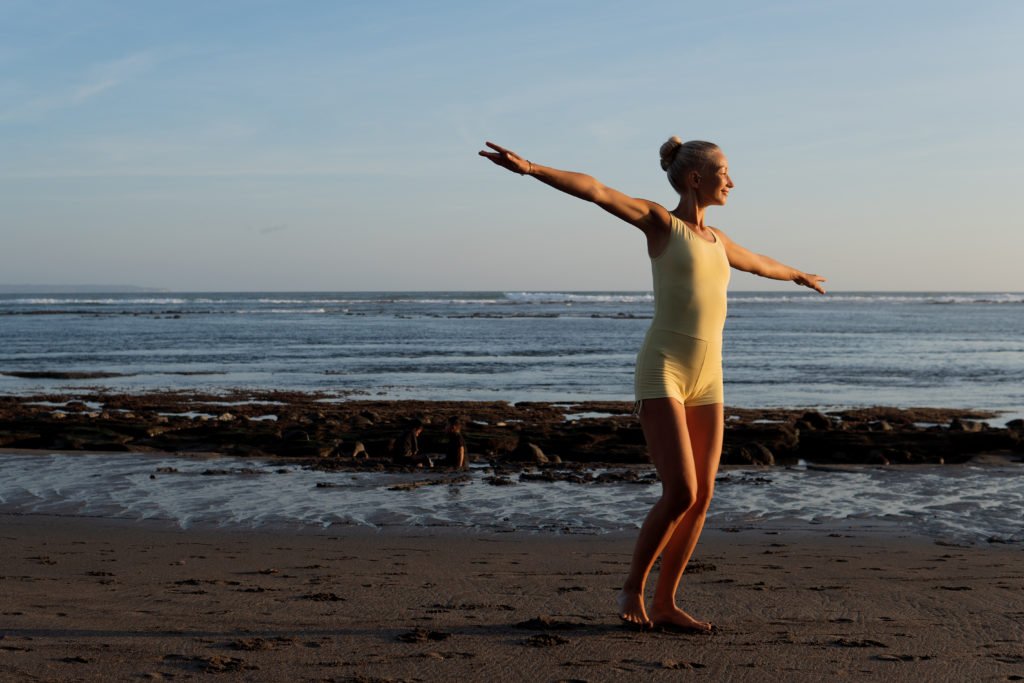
(631,588)
(659,604)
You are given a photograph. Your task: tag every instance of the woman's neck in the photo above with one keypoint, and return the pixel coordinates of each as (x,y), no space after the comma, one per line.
(690,211)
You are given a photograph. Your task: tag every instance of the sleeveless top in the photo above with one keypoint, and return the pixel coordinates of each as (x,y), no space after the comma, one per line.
(690,281)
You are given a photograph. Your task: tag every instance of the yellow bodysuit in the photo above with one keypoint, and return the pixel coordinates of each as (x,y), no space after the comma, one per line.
(681,356)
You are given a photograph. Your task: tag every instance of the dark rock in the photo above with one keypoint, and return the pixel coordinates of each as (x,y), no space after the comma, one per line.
(812,419)
(876,457)
(749,454)
(18,439)
(781,439)
(620,477)
(958,425)
(63,375)
(303,449)
(295,435)
(528,452)
(853,447)
(310,428)
(981,441)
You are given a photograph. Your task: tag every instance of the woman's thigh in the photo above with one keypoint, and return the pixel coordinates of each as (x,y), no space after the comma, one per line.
(666,429)
(706,428)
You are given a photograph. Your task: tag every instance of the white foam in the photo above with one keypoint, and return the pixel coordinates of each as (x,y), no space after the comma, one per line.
(868,298)
(960,502)
(79,300)
(577,297)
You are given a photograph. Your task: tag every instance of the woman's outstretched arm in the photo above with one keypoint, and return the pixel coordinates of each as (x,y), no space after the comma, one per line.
(765,266)
(642,213)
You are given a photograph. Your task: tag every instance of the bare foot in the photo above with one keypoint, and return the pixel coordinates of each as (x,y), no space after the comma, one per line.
(631,609)
(675,618)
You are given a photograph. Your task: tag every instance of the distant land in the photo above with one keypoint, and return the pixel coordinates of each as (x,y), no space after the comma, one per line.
(75,289)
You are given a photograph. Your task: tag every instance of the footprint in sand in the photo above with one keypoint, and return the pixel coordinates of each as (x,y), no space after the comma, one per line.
(322,597)
(864,642)
(901,658)
(209,664)
(255,644)
(441,656)
(545,623)
(546,640)
(673,664)
(421,635)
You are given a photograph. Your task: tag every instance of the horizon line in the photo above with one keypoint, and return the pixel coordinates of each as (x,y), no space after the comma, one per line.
(138,289)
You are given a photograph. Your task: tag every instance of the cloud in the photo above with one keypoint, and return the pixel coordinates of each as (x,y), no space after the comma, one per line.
(96,80)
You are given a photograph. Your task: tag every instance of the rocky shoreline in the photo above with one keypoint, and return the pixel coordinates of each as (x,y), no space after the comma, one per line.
(334,433)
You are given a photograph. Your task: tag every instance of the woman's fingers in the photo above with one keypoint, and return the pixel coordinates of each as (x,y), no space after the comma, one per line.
(496,157)
(507,153)
(503,157)
(813,282)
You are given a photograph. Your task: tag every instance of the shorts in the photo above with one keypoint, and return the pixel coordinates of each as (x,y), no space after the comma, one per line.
(675,365)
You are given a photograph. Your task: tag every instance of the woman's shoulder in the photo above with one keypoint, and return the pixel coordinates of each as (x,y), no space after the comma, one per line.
(718,232)
(660,220)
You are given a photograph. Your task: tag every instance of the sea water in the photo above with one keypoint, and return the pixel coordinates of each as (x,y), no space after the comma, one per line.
(789,350)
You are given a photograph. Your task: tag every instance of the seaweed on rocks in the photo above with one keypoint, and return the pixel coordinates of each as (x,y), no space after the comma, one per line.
(332,432)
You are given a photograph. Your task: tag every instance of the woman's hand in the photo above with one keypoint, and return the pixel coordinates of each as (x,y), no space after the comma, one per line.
(810,280)
(507,159)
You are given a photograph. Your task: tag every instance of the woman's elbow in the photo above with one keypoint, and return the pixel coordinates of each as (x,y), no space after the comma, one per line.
(593,191)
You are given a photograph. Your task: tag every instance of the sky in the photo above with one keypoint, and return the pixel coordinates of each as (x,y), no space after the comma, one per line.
(332,146)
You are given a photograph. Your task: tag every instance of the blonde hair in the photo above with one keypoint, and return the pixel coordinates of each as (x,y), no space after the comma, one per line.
(679,158)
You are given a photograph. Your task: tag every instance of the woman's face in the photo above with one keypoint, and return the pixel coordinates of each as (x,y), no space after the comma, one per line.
(713,187)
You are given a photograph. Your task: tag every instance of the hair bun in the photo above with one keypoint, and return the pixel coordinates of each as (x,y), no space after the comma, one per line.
(669,151)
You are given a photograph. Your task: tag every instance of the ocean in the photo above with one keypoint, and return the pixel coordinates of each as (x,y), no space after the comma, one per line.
(781,350)
(942,349)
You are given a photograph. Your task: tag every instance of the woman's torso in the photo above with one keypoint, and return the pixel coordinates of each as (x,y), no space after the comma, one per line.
(691,277)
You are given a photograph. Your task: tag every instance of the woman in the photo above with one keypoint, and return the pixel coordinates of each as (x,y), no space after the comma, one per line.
(678,381)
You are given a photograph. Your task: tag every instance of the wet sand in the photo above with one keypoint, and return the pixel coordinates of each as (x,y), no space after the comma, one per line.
(103,600)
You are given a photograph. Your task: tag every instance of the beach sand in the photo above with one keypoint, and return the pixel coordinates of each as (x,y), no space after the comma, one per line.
(117,600)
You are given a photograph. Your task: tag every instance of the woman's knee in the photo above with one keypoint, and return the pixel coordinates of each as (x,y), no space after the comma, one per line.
(702,499)
(678,501)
